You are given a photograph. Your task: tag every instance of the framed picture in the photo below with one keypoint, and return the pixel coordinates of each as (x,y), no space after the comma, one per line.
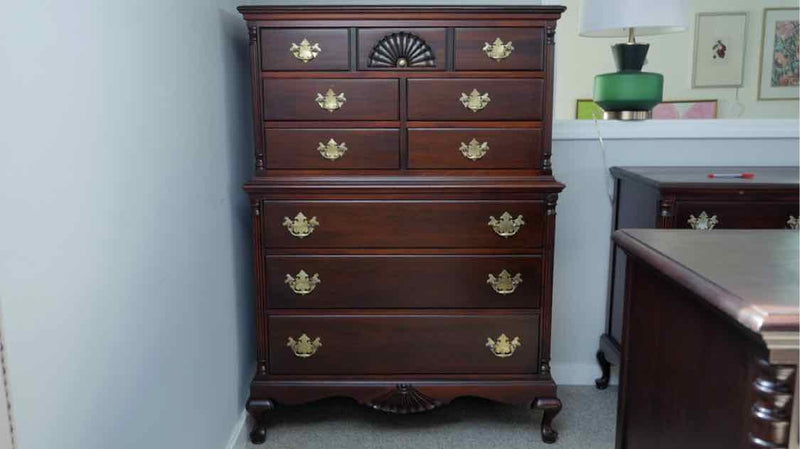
(667,110)
(778,77)
(719,46)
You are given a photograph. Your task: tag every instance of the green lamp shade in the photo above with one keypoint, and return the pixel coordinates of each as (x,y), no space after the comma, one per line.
(628,90)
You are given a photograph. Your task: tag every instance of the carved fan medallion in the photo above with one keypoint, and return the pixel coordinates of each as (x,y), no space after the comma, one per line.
(404,399)
(401,50)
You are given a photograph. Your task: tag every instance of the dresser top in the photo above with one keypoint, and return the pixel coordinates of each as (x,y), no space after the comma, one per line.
(697,177)
(268,12)
(750,275)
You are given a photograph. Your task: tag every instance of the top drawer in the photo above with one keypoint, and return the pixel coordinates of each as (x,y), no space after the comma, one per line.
(304,49)
(499,49)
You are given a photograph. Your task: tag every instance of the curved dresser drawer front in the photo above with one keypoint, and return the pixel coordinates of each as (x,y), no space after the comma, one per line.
(499,48)
(709,215)
(403,224)
(403,344)
(475,99)
(474,148)
(297,282)
(332,149)
(304,49)
(330,99)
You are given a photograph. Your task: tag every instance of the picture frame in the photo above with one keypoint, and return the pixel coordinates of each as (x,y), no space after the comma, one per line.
(720,40)
(586,109)
(779,69)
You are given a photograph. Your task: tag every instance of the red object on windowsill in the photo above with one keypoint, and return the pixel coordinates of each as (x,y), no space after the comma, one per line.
(732,175)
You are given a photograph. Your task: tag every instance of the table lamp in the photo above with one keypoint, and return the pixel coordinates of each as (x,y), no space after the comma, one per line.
(629,93)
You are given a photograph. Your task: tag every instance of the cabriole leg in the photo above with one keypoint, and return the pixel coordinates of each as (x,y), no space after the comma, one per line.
(602,382)
(550,407)
(259,409)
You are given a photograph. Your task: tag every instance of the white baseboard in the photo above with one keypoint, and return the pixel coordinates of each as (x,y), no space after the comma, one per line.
(578,373)
(238,439)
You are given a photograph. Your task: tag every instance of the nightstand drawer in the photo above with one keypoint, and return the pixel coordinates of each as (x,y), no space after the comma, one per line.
(330,99)
(403,344)
(734,215)
(499,48)
(403,224)
(474,148)
(475,99)
(304,49)
(413,281)
(332,149)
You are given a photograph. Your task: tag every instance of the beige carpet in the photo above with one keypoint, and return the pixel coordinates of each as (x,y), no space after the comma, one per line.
(586,422)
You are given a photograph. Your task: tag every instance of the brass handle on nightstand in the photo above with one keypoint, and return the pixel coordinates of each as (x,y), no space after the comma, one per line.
(475,150)
(503,347)
(302,284)
(332,150)
(301,226)
(507,225)
(475,101)
(330,101)
(504,283)
(791,223)
(497,50)
(306,51)
(303,347)
(703,222)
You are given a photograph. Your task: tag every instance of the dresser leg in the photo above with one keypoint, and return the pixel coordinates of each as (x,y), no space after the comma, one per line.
(550,407)
(602,382)
(259,409)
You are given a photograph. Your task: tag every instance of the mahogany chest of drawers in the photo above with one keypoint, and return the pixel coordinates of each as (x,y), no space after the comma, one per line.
(403,206)
(686,198)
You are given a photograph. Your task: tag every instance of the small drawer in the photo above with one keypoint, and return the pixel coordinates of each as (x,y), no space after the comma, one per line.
(734,215)
(403,224)
(332,149)
(499,48)
(475,99)
(330,99)
(403,344)
(476,148)
(418,281)
(420,48)
(304,49)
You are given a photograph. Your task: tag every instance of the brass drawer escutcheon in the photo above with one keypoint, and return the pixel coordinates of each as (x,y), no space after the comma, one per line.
(791,223)
(475,150)
(301,226)
(703,222)
(306,51)
(302,284)
(507,225)
(497,50)
(304,347)
(503,347)
(504,283)
(332,150)
(475,101)
(330,101)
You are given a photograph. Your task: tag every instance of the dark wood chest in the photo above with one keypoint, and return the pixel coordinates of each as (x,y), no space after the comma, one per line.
(686,198)
(403,206)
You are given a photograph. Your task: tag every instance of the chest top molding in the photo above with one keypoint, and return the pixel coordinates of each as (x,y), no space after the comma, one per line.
(433,12)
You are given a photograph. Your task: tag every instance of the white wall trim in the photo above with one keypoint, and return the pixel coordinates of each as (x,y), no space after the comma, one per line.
(238,439)
(678,129)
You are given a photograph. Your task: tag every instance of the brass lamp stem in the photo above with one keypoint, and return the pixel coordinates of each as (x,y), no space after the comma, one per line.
(631,39)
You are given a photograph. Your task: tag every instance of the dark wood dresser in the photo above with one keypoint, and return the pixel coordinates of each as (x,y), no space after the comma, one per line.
(403,206)
(710,345)
(686,198)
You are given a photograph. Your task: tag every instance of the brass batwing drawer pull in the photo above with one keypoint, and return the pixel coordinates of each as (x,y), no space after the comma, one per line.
(475,150)
(475,101)
(303,347)
(330,101)
(332,150)
(302,284)
(306,51)
(503,347)
(301,226)
(791,223)
(703,222)
(504,283)
(507,225)
(497,50)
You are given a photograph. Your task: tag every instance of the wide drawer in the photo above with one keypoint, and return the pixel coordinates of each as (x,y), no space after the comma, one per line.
(476,148)
(330,99)
(336,149)
(305,49)
(734,215)
(475,99)
(499,48)
(403,224)
(416,344)
(346,281)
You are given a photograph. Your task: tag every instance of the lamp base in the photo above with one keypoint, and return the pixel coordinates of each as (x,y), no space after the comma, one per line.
(627,115)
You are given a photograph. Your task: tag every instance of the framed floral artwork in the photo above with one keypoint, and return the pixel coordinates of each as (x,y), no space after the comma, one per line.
(779,76)
(719,49)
